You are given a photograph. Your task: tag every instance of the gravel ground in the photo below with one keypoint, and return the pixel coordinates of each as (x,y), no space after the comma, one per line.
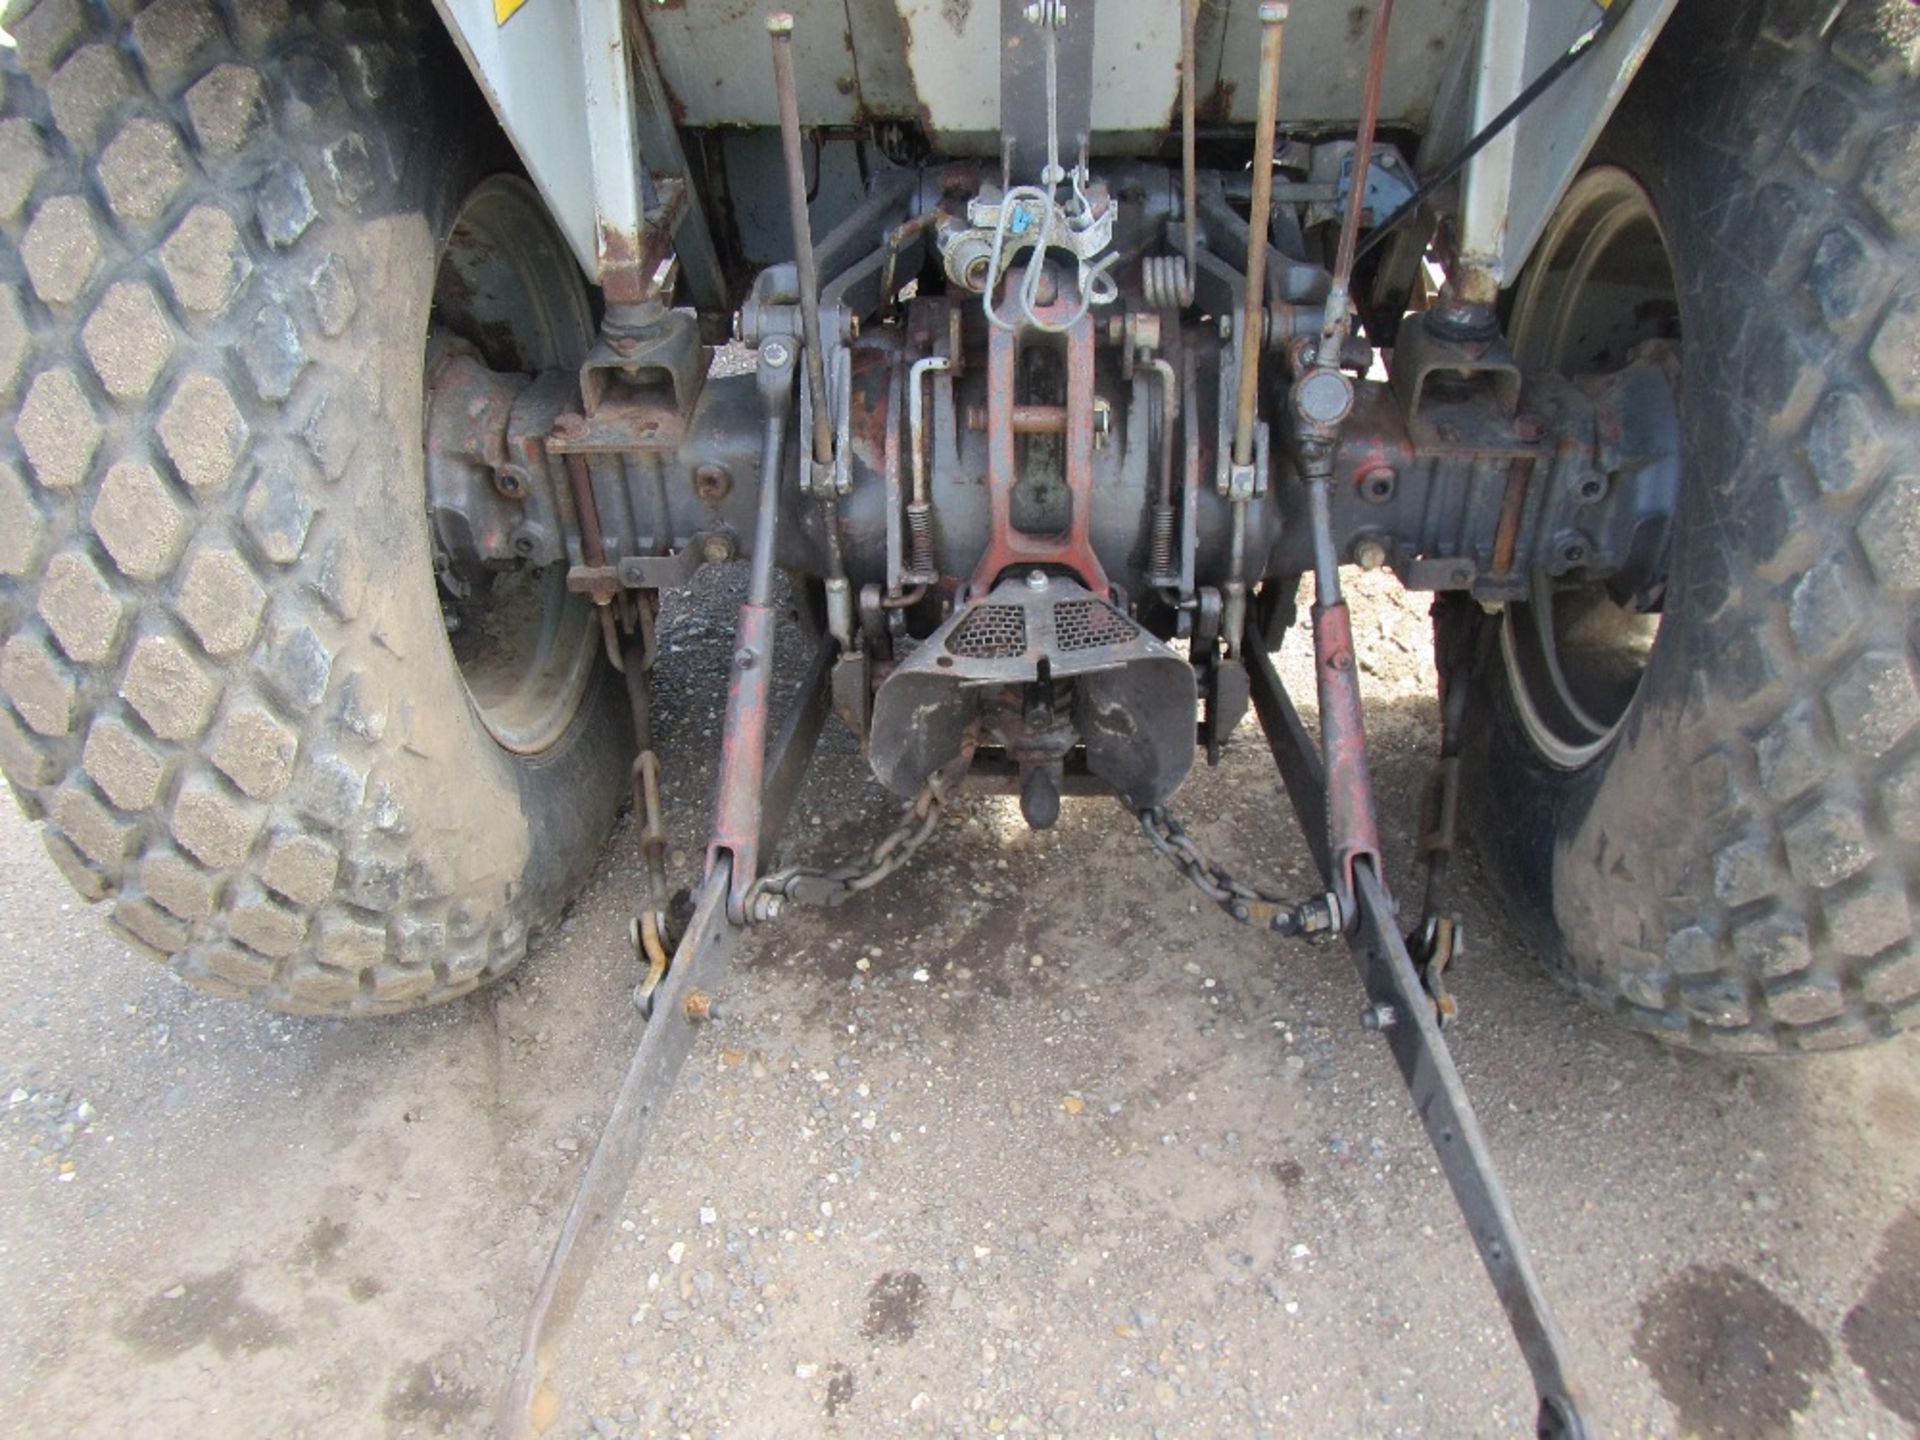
(1030,1141)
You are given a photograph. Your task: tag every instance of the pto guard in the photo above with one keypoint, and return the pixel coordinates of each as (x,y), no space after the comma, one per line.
(1133,702)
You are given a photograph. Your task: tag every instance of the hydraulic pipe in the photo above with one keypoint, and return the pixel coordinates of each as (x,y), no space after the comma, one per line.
(1273,20)
(780,28)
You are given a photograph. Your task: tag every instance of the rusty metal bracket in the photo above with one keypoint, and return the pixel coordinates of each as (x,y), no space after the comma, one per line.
(649,371)
(1443,384)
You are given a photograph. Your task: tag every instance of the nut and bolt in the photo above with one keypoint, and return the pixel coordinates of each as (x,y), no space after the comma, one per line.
(767,908)
(700,1006)
(717,549)
(775,352)
(1036,579)
(1378,1018)
(711,482)
(1369,554)
(780,22)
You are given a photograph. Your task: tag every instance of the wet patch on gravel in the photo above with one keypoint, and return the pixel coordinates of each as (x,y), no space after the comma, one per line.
(1734,1360)
(207,1310)
(1883,1331)
(893,1307)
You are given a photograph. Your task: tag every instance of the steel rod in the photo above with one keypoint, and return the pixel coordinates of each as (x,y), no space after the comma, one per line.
(1357,183)
(1402,1011)
(1189,164)
(1273,19)
(699,965)
(780,28)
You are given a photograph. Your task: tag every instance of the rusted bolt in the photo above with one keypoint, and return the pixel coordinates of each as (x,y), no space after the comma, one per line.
(570,426)
(711,482)
(1377,484)
(1369,554)
(716,549)
(1374,1017)
(699,1006)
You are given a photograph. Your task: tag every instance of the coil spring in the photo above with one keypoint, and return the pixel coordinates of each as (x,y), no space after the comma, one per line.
(1165,283)
(920,540)
(1160,549)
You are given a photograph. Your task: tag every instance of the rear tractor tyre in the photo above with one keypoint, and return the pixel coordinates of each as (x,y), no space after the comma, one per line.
(226,683)
(1714,830)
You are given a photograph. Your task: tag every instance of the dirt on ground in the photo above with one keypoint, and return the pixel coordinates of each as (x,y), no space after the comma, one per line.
(1032,1140)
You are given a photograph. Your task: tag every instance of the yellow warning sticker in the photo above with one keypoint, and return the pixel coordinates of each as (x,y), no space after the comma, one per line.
(503,10)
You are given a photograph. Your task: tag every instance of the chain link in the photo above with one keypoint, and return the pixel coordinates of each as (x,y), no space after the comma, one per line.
(808,885)
(1320,915)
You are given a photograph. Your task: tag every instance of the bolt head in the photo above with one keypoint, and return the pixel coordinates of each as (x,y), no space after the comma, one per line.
(1036,579)
(776,353)
(780,22)
(1370,554)
(716,549)
(1273,12)
(744,658)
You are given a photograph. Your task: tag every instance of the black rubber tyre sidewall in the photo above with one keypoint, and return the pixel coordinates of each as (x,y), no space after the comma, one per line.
(1672,880)
(389,853)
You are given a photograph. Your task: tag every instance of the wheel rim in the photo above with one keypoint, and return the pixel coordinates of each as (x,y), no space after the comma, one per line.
(1601,285)
(507,285)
